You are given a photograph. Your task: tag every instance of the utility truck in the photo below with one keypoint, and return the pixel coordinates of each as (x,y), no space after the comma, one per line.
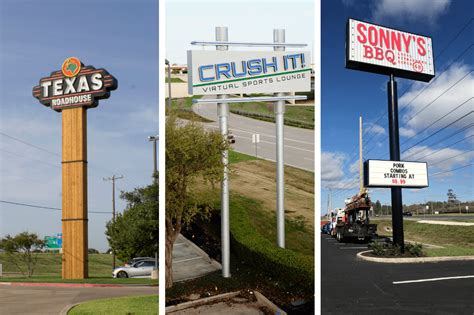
(353,221)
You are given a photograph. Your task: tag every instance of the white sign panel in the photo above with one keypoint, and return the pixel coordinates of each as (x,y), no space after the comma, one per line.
(255,138)
(239,72)
(380,173)
(379,49)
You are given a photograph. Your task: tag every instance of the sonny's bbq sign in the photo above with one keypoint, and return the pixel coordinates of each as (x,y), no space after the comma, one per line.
(374,48)
(75,85)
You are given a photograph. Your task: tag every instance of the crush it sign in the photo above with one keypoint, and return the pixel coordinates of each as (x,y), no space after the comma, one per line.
(374,48)
(75,85)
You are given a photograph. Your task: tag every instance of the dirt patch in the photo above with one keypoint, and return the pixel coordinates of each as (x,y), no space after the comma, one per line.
(257,180)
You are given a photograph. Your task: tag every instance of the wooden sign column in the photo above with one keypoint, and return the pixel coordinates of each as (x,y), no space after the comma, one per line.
(71,91)
(74,199)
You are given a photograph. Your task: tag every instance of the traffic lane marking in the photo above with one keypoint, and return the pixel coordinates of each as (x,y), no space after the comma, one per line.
(433,279)
(360,247)
(273,143)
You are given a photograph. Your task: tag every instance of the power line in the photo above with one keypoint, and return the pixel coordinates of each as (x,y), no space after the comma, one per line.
(434,100)
(452,157)
(43,207)
(445,70)
(452,144)
(439,130)
(29,144)
(452,170)
(445,115)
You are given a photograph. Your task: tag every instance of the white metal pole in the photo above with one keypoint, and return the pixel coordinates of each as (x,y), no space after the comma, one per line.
(223,113)
(279,109)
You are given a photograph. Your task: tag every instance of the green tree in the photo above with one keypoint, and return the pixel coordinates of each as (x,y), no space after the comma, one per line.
(192,154)
(23,250)
(135,231)
(378,207)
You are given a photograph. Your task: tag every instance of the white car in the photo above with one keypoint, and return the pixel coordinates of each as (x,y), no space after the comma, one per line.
(140,269)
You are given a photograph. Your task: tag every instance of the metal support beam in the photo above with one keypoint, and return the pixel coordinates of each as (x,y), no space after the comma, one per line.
(279,109)
(397,210)
(223,114)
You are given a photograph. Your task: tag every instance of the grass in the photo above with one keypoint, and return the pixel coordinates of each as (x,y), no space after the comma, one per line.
(248,274)
(236,157)
(48,269)
(182,107)
(299,116)
(298,236)
(174,80)
(456,240)
(145,304)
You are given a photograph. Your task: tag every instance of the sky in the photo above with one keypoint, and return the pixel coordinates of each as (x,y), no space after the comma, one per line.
(36,37)
(346,94)
(188,20)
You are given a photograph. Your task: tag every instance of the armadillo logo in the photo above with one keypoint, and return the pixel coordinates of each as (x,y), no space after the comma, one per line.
(75,85)
(71,67)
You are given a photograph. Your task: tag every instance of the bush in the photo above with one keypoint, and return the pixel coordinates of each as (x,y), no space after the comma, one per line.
(293,269)
(383,249)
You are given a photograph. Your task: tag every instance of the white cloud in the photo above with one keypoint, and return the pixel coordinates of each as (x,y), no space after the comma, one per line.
(410,10)
(374,129)
(407,132)
(331,166)
(333,175)
(443,160)
(416,100)
(354,168)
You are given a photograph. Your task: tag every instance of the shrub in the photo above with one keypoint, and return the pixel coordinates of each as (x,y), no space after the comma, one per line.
(291,268)
(383,249)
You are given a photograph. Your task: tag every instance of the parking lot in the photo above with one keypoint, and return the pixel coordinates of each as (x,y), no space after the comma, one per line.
(348,283)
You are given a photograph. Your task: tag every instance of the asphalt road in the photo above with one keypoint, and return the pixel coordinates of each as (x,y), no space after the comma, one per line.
(52,300)
(299,143)
(352,286)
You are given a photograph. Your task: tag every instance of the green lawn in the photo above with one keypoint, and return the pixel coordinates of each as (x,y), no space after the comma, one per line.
(48,269)
(146,304)
(456,240)
(174,80)
(236,157)
(300,116)
(298,236)
(182,107)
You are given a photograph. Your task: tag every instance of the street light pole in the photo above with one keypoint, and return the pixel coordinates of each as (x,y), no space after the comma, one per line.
(167,62)
(155,176)
(154,139)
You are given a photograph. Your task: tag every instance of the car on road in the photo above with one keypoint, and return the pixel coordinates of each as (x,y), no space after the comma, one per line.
(139,269)
(326,229)
(136,259)
(407,214)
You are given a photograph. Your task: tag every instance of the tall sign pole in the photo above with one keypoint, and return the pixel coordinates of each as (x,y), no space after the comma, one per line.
(223,113)
(71,91)
(397,211)
(74,194)
(279,109)
(379,49)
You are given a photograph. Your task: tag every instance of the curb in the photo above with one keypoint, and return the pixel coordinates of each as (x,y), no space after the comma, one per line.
(61,285)
(68,307)
(185,305)
(259,296)
(262,299)
(412,260)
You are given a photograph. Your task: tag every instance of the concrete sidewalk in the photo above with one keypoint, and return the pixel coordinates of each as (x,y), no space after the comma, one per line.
(189,261)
